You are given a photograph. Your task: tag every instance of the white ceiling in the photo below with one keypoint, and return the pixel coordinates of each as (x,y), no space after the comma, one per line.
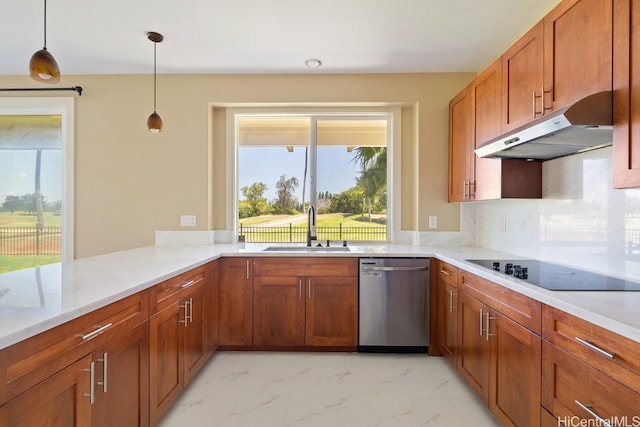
(264,36)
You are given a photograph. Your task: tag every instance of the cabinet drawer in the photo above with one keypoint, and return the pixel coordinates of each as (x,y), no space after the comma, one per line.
(572,388)
(517,307)
(31,361)
(447,273)
(609,352)
(164,294)
(308,266)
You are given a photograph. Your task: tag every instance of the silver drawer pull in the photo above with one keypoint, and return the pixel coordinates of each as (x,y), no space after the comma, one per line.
(587,408)
(596,348)
(105,372)
(96,332)
(189,283)
(445,272)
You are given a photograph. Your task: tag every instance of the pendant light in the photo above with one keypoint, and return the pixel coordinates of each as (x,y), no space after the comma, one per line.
(154,122)
(43,66)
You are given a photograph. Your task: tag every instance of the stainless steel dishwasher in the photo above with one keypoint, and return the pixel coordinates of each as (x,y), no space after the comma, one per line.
(393,305)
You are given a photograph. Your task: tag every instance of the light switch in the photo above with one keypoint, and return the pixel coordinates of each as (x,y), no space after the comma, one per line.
(187,220)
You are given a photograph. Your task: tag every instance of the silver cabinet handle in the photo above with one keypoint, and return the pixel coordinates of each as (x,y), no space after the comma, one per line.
(587,408)
(445,272)
(190,310)
(533,106)
(105,369)
(92,372)
(300,288)
(247,269)
(185,306)
(595,348)
(97,332)
(451,307)
(487,330)
(189,283)
(309,288)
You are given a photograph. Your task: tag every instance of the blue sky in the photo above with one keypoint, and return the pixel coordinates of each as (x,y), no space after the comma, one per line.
(17,173)
(336,171)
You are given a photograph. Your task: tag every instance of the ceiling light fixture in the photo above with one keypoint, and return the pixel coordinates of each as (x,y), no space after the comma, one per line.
(154,122)
(313,63)
(43,66)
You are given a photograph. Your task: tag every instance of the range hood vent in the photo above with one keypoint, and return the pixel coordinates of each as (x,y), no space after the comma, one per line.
(585,125)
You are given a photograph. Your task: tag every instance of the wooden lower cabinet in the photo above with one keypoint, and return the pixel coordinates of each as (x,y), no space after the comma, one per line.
(332,311)
(447,311)
(121,380)
(500,361)
(301,302)
(279,311)
(235,301)
(574,390)
(60,401)
(178,348)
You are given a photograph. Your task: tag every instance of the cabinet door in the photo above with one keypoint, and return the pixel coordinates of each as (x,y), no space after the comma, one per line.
(165,359)
(332,311)
(235,302)
(122,380)
(572,388)
(461,145)
(522,80)
(626,102)
(279,310)
(514,391)
(211,304)
(474,348)
(195,343)
(60,401)
(448,321)
(577,51)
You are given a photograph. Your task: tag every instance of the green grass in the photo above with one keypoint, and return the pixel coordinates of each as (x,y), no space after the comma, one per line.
(22,219)
(13,263)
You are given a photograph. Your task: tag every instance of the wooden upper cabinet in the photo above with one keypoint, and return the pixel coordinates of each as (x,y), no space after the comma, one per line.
(522,80)
(577,51)
(487,92)
(626,102)
(461,145)
(487,113)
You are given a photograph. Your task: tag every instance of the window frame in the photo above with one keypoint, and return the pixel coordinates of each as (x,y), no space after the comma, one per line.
(65,107)
(390,112)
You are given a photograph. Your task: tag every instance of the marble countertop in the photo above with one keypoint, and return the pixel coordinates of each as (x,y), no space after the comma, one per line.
(38,299)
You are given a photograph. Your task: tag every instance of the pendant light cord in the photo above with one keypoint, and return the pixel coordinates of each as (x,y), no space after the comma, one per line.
(45,24)
(155,44)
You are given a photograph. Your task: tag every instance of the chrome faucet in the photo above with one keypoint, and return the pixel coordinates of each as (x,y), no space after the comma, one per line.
(311,225)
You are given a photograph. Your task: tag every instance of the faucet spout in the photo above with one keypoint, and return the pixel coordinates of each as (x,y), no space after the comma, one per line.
(311,225)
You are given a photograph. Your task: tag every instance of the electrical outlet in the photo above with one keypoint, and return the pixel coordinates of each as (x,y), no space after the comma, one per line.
(433,221)
(187,220)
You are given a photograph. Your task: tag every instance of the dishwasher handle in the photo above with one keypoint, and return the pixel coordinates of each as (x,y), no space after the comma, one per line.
(377,268)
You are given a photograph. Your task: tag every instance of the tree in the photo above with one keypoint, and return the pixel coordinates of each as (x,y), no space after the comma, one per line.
(12,204)
(255,203)
(285,202)
(373,176)
(348,201)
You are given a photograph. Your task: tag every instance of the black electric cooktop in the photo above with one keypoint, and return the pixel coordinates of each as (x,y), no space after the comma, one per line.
(556,277)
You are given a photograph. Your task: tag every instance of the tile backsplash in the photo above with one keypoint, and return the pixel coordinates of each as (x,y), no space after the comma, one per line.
(581,220)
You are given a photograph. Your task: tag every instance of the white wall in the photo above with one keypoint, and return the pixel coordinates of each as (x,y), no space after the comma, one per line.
(581,220)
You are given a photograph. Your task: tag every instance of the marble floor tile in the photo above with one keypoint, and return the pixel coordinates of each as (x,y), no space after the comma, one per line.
(277,389)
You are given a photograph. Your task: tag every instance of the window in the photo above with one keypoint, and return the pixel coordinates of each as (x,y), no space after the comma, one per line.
(34,201)
(288,163)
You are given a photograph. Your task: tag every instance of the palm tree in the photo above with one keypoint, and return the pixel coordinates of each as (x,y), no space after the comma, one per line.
(373,176)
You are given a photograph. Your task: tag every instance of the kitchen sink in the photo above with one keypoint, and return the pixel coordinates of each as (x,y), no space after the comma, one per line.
(307,249)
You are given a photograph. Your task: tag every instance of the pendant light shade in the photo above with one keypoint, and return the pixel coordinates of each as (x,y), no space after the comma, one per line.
(154,122)
(43,66)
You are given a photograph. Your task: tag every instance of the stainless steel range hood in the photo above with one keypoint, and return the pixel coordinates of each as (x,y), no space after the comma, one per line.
(585,125)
